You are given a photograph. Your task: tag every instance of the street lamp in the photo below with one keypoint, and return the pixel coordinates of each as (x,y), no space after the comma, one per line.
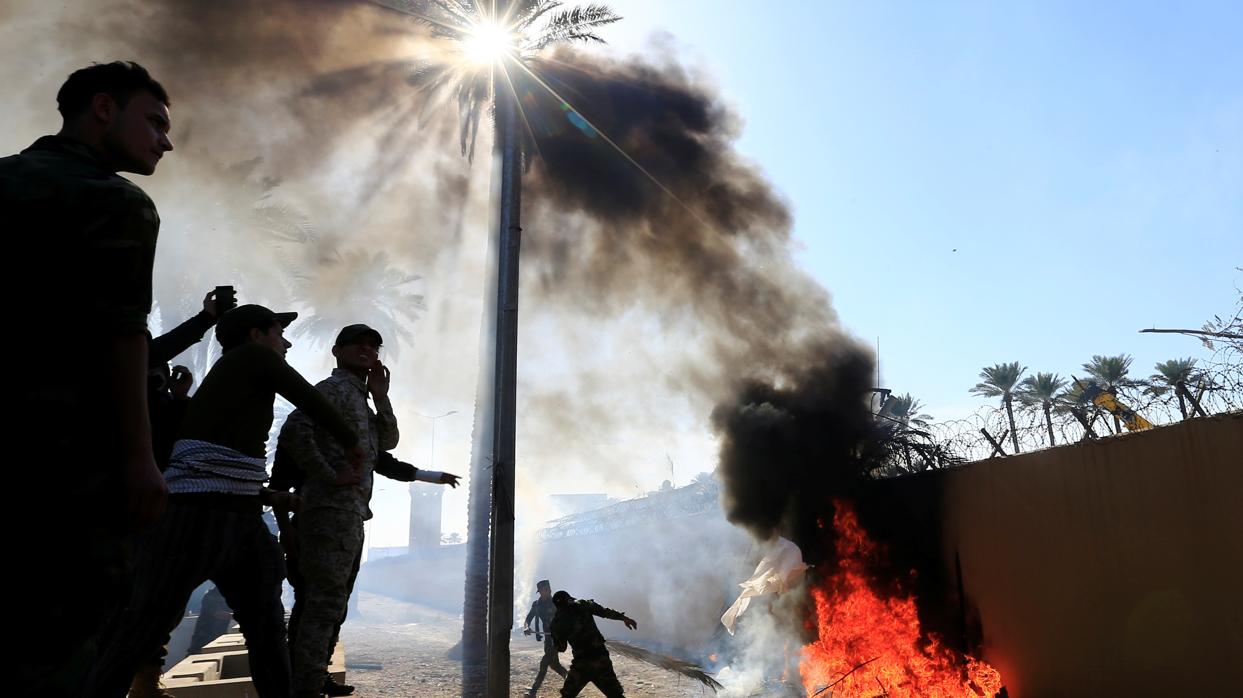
(431,465)
(431,460)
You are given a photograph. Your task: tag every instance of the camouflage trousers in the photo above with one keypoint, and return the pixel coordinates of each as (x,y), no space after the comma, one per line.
(329,542)
(597,670)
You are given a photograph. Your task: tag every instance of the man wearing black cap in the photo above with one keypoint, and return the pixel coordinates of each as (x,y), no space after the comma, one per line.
(213,528)
(542,612)
(575,626)
(330,519)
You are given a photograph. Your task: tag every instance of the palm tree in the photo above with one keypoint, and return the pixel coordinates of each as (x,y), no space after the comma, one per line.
(1073,401)
(492,37)
(1000,380)
(358,286)
(1042,390)
(905,410)
(1174,375)
(1110,373)
(902,412)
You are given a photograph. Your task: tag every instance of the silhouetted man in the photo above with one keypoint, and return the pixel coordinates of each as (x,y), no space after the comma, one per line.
(168,388)
(542,612)
(575,625)
(77,271)
(330,518)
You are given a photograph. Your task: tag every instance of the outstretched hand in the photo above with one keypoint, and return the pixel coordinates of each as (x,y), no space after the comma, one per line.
(630,623)
(449,479)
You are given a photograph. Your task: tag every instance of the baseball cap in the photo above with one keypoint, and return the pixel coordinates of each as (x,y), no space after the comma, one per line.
(352,333)
(234,326)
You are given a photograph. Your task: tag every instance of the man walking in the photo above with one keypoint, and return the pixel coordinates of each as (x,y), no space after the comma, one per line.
(542,612)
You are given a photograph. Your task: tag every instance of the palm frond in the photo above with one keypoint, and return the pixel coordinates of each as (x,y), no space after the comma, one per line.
(1035,390)
(999,379)
(666,662)
(1110,371)
(575,25)
(1175,371)
(532,12)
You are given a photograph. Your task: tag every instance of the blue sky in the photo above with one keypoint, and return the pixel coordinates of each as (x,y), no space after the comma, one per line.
(978,182)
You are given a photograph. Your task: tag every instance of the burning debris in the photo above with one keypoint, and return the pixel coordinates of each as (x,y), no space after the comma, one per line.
(867,642)
(800,459)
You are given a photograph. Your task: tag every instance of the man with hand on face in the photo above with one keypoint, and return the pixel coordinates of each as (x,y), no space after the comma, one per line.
(329,522)
(79,249)
(213,529)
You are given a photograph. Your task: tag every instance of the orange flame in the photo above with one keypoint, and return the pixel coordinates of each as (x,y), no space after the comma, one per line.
(871,646)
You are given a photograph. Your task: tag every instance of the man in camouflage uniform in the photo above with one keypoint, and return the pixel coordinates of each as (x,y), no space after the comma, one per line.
(330,519)
(77,274)
(575,625)
(542,612)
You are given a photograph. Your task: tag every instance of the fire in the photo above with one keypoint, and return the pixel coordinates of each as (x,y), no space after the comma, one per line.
(871,646)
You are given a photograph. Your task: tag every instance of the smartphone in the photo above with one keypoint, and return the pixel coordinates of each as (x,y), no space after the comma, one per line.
(226,299)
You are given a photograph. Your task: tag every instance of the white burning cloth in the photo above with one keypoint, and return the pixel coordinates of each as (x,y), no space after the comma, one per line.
(780,569)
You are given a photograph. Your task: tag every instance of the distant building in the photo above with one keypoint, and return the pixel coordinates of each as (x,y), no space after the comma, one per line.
(700,497)
(560,505)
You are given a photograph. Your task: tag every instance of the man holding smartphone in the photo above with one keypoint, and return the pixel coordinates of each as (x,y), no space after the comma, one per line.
(168,389)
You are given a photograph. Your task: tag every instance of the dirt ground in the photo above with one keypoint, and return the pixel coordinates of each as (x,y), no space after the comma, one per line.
(396,649)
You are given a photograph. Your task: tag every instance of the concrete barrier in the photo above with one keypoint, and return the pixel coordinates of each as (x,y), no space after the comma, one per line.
(222,670)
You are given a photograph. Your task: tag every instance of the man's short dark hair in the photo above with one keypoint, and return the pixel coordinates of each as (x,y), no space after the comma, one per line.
(118,79)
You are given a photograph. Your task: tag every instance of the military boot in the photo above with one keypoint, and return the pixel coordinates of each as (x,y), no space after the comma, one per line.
(333,689)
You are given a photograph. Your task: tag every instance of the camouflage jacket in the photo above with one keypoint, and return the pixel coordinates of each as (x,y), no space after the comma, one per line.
(575,625)
(320,456)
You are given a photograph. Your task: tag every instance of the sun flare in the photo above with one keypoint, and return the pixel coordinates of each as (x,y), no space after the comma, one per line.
(487,43)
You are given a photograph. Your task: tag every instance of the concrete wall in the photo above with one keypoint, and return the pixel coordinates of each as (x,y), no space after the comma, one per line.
(1112,568)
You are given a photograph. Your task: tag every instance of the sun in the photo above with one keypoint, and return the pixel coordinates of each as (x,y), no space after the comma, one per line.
(487,42)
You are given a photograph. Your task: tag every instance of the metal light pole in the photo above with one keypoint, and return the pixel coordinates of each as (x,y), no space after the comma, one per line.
(431,465)
(501,550)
